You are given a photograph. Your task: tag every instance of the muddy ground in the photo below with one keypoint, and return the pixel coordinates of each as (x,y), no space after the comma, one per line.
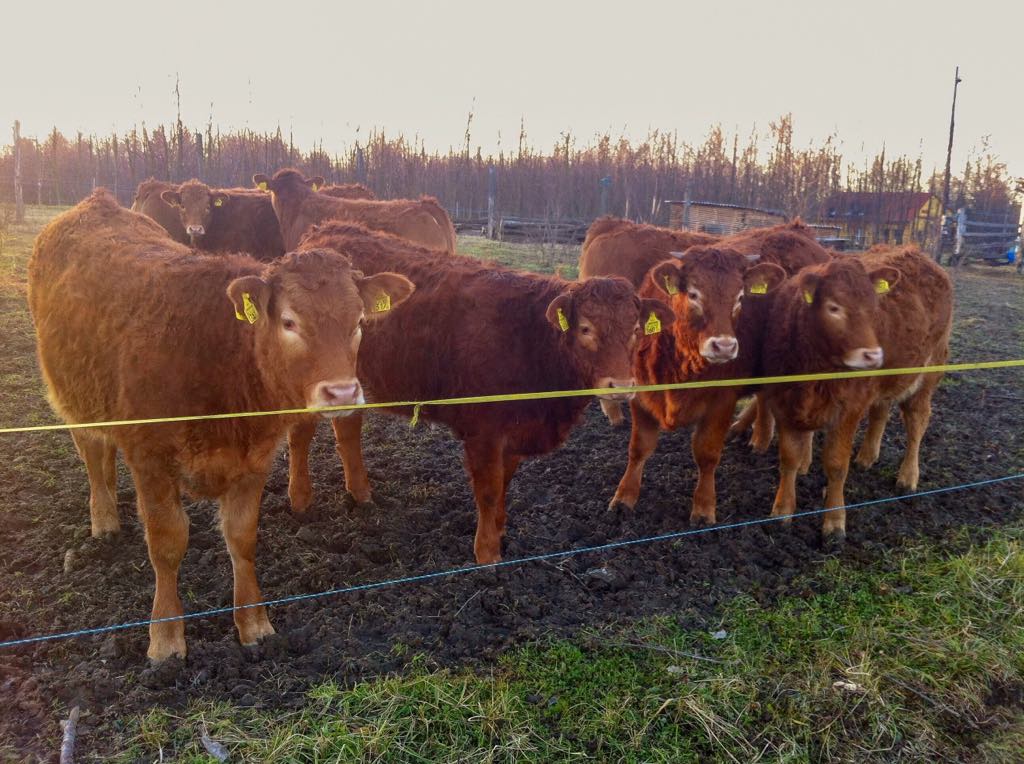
(53,577)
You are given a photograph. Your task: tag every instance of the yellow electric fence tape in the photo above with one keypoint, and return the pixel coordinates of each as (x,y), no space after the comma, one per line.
(507,397)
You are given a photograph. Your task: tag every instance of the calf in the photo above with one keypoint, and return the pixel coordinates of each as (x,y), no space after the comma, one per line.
(149,201)
(298,207)
(716,335)
(471,329)
(227,219)
(133,326)
(890,308)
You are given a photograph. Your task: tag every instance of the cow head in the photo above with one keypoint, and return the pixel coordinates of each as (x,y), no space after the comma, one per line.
(601,321)
(307,311)
(707,286)
(195,203)
(840,300)
(287,181)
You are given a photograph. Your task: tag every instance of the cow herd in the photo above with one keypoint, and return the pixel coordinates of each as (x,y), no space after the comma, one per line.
(298,296)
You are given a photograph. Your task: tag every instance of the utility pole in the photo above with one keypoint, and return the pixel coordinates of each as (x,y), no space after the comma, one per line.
(949,156)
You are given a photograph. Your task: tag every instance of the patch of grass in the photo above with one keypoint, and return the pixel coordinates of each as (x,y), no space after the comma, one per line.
(922,659)
(540,258)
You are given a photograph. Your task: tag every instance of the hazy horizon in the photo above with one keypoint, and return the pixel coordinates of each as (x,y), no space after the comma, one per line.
(877,74)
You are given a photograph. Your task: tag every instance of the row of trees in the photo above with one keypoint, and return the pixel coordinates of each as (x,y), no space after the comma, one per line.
(762,170)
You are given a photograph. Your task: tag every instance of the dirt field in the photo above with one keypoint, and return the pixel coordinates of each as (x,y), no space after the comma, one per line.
(53,577)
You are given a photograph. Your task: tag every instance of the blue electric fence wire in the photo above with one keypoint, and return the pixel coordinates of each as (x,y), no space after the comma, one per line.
(502,564)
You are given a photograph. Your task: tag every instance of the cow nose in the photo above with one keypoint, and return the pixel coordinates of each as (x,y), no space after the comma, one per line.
(613,384)
(872,357)
(340,393)
(195,230)
(720,349)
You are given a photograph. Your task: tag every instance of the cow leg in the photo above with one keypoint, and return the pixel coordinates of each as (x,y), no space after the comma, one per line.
(835,458)
(806,453)
(485,462)
(511,465)
(613,410)
(239,518)
(642,441)
(348,434)
(871,446)
(300,487)
(100,457)
(166,527)
(791,451)
(916,412)
(707,443)
(745,420)
(764,426)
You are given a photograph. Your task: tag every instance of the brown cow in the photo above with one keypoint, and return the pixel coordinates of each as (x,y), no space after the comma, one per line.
(131,325)
(149,201)
(615,247)
(298,207)
(716,335)
(474,328)
(891,308)
(348,191)
(227,219)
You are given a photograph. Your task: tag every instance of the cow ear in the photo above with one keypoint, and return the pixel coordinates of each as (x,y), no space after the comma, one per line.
(809,287)
(668,277)
(883,279)
(559,310)
(762,278)
(316,182)
(382,292)
(261,181)
(218,199)
(661,311)
(171,197)
(250,296)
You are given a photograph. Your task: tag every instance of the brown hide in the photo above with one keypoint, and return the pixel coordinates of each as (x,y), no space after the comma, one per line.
(621,248)
(475,328)
(818,320)
(131,325)
(298,208)
(148,201)
(348,191)
(227,219)
(714,293)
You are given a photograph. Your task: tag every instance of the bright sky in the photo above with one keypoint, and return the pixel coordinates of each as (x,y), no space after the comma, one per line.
(875,72)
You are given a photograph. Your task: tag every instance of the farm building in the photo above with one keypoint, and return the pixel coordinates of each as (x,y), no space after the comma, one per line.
(717,218)
(893,217)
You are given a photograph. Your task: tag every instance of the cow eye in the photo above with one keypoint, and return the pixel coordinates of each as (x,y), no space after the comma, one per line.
(289,324)
(585,330)
(693,294)
(835,310)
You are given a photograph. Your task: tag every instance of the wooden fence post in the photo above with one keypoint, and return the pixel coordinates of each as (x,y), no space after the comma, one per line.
(492,192)
(961,226)
(19,200)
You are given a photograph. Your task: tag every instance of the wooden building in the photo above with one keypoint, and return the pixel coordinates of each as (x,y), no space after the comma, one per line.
(719,219)
(893,217)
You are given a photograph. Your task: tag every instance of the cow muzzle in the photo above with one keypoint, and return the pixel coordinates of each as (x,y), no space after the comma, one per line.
(720,349)
(195,230)
(612,384)
(864,358)
(345,392)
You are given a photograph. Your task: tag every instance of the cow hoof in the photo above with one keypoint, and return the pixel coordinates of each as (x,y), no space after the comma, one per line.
(108,534)
(256,633)
(865,462)
(784,518)
(833,541)
(701,521)
(160,652)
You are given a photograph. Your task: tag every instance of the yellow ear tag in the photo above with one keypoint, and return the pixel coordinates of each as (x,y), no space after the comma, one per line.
(653,325)
(808,297)
(249,308)
(881,286)
(218,202)
(670,287)
(563,322)
(315,187)
(382,304)
(759,289)
(262,185)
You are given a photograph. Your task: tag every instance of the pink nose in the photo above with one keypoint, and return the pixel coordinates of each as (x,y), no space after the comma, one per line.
(872,358)
(195,230)
(338,393)
(724,345)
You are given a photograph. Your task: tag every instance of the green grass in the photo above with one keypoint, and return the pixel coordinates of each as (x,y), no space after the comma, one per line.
(540,258)
(931,645)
